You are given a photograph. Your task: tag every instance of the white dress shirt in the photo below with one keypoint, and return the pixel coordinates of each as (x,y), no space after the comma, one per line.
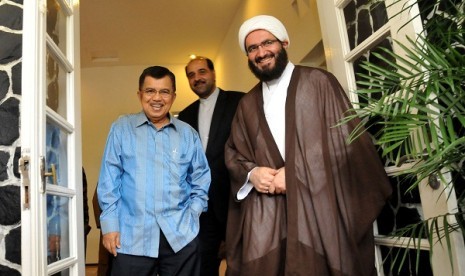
(274,104)
(206,108)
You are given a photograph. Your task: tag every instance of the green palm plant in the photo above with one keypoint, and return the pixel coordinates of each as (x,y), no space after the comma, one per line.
(415,108)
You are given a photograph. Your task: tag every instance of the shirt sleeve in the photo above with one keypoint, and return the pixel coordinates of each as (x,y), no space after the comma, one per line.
(246,188)
(109,184)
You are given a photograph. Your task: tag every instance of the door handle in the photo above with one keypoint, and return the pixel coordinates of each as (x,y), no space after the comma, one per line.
(24,171)
(52,173)
(45,174)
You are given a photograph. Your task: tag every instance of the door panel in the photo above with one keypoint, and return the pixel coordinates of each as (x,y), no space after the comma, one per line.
(57,83)
(52,222)
(57,16)
(57,228)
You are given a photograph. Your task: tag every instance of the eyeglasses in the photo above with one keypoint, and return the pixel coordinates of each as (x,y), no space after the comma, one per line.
(164,93)
(265,44)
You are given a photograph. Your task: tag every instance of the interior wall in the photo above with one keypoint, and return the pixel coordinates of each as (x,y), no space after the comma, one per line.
(108,92)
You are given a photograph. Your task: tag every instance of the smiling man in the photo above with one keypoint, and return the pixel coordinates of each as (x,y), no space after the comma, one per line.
(153,186)
(211,115)
(305,200)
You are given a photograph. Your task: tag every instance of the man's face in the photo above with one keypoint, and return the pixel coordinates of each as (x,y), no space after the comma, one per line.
(267,56)
(156,97)
(201,79)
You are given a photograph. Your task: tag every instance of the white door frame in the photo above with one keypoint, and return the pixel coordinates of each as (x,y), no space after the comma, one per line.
(34,115)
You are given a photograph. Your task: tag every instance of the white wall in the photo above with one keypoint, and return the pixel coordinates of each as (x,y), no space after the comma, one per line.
(111,91)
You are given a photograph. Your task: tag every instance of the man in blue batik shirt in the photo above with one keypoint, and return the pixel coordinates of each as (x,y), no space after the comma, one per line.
(153,185)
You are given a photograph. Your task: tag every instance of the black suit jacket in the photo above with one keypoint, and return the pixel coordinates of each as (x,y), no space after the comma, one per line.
(220,128)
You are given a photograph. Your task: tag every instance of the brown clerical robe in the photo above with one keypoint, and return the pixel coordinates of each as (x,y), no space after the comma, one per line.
(335,191)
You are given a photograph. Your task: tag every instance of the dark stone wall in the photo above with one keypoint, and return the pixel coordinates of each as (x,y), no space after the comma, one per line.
(11,21)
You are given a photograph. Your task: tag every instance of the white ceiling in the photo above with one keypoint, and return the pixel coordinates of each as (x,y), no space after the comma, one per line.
(141,32)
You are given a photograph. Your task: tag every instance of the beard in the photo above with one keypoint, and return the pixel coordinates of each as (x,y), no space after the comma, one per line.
(270,73)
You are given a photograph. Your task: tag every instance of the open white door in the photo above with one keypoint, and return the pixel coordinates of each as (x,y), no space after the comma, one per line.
(352,30)
(50,165)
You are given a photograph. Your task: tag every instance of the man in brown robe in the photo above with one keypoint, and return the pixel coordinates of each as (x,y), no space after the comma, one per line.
(304,200)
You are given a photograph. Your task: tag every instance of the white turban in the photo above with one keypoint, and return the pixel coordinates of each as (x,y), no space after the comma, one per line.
(262,22)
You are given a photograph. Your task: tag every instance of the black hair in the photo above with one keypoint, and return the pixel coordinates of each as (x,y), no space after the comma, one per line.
(157,72)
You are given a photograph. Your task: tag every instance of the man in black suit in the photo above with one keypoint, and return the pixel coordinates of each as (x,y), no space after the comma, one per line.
(211,116)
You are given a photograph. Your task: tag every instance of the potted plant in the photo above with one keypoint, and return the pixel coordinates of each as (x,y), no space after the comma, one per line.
(415,108)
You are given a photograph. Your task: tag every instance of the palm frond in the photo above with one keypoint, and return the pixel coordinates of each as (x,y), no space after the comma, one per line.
(414,107)
(436,230)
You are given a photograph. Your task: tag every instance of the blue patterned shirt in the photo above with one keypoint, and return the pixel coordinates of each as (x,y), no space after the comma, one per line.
(150,180)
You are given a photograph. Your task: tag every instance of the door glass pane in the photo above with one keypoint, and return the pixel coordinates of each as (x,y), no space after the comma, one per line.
(56,155)
(57,228)
(56,86)
(56,24)
(363,18)
(402,210)
(368,56)
(399,215)
(368,98)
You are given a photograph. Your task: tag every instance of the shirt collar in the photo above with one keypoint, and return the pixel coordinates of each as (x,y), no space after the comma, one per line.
(141,119)
(212,98)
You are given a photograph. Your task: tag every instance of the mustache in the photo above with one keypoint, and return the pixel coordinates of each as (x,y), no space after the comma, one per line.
(259,59)
(199,81)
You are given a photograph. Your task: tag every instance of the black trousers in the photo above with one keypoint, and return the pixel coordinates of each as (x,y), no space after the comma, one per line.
(185,262)
(212,233)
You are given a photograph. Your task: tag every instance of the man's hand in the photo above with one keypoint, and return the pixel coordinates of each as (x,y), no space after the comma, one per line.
(278,185)
(111,242)
(262,178)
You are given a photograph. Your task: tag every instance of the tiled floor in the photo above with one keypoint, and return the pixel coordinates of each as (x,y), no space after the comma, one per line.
(91,270)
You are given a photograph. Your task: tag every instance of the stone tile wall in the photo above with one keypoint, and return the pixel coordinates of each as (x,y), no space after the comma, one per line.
(11,21)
